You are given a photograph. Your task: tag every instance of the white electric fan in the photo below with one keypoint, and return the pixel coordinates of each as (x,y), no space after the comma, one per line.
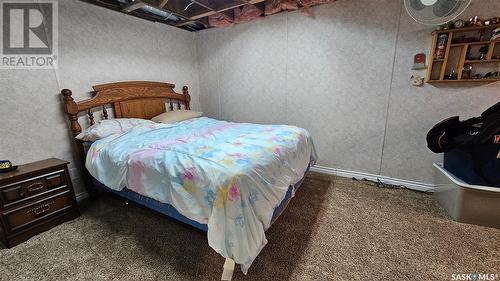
(435,12)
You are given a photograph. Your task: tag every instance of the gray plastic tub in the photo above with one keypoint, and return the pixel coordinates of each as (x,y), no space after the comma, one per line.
(475,204)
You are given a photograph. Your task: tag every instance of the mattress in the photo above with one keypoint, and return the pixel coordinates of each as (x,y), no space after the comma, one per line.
(228,176)
(170,211)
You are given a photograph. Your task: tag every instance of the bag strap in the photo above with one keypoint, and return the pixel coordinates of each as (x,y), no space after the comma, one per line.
(490,127)
(495,109)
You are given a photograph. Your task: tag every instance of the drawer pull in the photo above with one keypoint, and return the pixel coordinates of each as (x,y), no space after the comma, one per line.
(35,186)
(31,188)
(42,209)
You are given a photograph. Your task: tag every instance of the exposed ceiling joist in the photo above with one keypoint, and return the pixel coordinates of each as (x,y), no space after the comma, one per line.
(224,8)
(228,14)
(203,4)
(202,15)
(230,6)
(190,15)
(255,1)
(181,7)
(162,4)
(188,22)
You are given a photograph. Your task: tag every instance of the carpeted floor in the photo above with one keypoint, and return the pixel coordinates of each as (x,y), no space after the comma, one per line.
(334,229)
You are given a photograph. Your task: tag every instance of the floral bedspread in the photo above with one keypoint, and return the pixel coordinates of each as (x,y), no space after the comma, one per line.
(229,176)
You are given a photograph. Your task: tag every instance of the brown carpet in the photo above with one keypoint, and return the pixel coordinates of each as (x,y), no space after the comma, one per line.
(334,229)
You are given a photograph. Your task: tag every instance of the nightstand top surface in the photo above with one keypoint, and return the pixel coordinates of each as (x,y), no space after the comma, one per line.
(32,167)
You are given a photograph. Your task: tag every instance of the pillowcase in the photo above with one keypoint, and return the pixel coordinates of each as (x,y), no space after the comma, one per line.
(104,128)
(176,116)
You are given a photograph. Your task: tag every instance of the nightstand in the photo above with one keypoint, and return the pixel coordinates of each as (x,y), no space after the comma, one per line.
(34,198)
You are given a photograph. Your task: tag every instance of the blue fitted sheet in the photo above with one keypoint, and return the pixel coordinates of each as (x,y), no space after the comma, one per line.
(170,211)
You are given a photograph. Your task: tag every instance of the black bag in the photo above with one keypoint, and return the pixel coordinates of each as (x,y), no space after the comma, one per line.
(478,137)
(453,133)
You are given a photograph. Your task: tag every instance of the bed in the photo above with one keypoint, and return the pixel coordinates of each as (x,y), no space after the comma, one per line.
(231,180)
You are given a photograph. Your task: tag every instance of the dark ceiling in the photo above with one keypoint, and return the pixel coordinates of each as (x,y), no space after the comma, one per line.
(194,15)
(191,15)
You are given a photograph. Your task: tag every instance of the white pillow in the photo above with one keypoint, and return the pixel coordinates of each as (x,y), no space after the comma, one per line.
(170,117)
(104,128)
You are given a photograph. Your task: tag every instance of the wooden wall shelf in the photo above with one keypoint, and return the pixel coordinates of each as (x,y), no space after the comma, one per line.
(483,61)
(466,29)
(460,54)
(471,43)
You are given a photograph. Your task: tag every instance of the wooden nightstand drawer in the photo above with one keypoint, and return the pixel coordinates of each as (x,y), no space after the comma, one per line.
(30,188)
(37,211)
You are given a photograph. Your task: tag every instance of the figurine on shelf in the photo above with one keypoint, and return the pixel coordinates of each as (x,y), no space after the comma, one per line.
(475,21)
(496,34)
(492,75)
(459,23)
(416,80)
(446,26)
(491,21)
(483,51)
(452,76)
(466,71)
(495,20)
(441,46)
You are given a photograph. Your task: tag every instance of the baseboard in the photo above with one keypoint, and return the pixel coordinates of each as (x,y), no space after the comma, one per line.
(81,196)
(414,185)
(78,185)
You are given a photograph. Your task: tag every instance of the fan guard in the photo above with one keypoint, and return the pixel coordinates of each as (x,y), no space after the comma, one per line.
(435,12)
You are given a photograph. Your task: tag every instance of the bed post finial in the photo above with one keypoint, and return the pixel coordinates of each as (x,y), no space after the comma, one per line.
(185,92)
(72,110)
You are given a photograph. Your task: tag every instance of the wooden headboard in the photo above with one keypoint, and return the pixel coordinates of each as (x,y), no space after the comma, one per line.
(130,99)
